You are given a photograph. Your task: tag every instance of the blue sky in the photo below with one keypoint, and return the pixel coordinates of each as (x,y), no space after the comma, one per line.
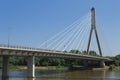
(31,22)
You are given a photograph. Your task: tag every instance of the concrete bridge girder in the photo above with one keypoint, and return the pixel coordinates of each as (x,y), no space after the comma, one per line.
(5,52)
(25,53)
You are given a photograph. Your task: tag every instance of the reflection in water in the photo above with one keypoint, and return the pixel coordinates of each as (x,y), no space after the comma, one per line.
(4,78)
(104,73)
(31,79)
(67,75)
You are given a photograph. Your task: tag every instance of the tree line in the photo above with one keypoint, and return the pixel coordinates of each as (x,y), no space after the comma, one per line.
(39,61)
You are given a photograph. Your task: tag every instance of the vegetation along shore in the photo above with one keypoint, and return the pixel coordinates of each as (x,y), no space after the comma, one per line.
(58,63)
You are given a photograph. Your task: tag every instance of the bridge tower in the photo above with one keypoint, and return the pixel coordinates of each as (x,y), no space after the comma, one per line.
(93,29)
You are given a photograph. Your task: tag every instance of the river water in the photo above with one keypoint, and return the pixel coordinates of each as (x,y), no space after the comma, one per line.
(66,75)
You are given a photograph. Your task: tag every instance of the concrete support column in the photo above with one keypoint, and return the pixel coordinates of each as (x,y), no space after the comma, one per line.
(30,66)
(102,64)
(5,67)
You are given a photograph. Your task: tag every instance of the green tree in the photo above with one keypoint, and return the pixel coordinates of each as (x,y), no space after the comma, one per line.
(84,52)
(75,51)
(117,60)
(93,53)
(37,61)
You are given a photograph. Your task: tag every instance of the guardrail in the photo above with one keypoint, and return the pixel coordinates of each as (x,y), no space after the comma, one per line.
(26,48)
(19,47)
(30,48)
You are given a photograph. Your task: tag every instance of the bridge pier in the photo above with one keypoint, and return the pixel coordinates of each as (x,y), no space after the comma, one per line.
(102,64)
(30,66)
(5,67)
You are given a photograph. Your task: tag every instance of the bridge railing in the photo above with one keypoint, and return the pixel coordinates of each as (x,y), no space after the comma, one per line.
(19,47)
(30,48)
(26,48)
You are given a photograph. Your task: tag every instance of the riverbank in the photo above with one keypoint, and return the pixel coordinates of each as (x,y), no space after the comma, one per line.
(12,68)
(115,68)
(39,68)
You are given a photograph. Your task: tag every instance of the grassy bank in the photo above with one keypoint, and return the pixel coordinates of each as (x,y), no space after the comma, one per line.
(39,68)
(114,68)
(19,67)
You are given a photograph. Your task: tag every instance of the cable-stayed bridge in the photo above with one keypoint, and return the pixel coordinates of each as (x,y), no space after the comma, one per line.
(67,44)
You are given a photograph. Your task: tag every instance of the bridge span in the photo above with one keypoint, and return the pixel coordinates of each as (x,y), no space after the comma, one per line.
(30,53)
(27,51)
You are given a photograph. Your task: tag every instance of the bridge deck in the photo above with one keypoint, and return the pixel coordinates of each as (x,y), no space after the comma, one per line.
(27,51)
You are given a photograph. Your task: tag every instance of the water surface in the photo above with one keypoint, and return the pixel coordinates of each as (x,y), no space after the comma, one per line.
(66,75)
